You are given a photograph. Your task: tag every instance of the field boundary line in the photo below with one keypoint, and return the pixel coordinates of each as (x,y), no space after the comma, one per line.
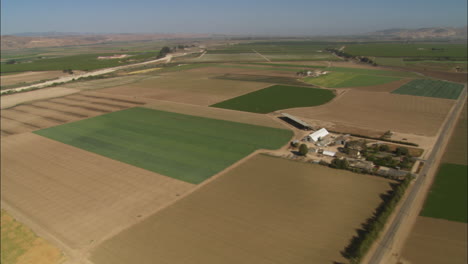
(267,59)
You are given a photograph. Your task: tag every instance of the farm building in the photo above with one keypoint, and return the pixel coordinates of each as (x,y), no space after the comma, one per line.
(323,142)
(341,140)
(329,153)
(317,135)
(295,121)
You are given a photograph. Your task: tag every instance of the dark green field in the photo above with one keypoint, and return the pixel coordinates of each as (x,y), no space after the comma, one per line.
(448,196)
(184,147)
(431,88)
(277,97)
(420,50)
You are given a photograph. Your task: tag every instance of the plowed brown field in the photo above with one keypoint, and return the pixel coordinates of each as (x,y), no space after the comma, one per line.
(266,210)
(47,113)
(381,111)
(186,87)
(77,196)
(435,241)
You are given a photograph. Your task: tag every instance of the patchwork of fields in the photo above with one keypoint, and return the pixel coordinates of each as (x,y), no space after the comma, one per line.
(342,79)
(277,97)
(379,111)
(77,196)
(184,147)
(266,210)
(423,50)
(431,88)
(56,111)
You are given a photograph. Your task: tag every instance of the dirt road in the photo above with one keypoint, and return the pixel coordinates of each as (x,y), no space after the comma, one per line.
(393,239)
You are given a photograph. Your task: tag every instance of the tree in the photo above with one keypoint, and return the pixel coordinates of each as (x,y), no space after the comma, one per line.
(384,148)
(303,149)
(402,151)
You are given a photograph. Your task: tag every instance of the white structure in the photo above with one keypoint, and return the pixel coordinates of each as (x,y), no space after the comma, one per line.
(321,133)
(329,153)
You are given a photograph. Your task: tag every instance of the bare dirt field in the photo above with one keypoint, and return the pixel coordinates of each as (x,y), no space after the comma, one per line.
(232,69)
(52,112)
(380,112)
(217,113)
(435,241)
(388,87)
(266,210)
(76,196)
(185,87)
(28,77)
(19,98)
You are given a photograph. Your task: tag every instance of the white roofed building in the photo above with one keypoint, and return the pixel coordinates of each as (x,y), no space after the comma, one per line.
(319,134)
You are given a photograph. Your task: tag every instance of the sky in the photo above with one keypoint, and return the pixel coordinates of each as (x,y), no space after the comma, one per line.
(254,17)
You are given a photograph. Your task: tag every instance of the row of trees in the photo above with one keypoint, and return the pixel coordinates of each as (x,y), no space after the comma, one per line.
(372,228)
(348,56)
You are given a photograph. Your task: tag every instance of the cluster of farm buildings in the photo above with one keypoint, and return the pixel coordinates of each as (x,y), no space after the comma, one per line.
(324,146)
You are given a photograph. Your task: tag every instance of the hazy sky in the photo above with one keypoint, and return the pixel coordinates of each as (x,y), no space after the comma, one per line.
(309,17)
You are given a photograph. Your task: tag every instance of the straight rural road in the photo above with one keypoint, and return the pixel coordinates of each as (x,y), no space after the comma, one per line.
(422,179)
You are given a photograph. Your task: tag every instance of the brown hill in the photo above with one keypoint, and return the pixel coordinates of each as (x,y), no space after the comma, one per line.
(424,33)
(23,42)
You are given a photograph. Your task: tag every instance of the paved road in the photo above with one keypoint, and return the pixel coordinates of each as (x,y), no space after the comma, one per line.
(387,240)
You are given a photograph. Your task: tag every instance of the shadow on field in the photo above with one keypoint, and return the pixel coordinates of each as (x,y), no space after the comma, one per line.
(370,229)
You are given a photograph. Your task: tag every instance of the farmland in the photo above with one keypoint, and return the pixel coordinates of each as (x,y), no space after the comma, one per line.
(431,88)
(435,241)
(299,213)
(456,151)
(448,196)
(20,245)
(279,50)
(39,114)
(192,87)
(372,111)
(277,97)
(420,50)
(82,62)
(341,79)
(184,147)
(77,196)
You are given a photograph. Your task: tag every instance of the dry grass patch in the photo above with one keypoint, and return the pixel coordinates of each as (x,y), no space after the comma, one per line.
(382,112)
(266,210)
(20,245)
(435,241)
(77,196)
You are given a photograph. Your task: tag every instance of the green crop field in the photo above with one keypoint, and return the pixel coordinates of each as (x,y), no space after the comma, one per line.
(421,50)
(75,62)
(277,97)
(448,196)
(343,79)
(431,88)
(280,50)
(184,147)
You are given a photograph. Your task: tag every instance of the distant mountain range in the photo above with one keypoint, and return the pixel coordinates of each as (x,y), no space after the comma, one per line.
(423,33)
(57,39)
